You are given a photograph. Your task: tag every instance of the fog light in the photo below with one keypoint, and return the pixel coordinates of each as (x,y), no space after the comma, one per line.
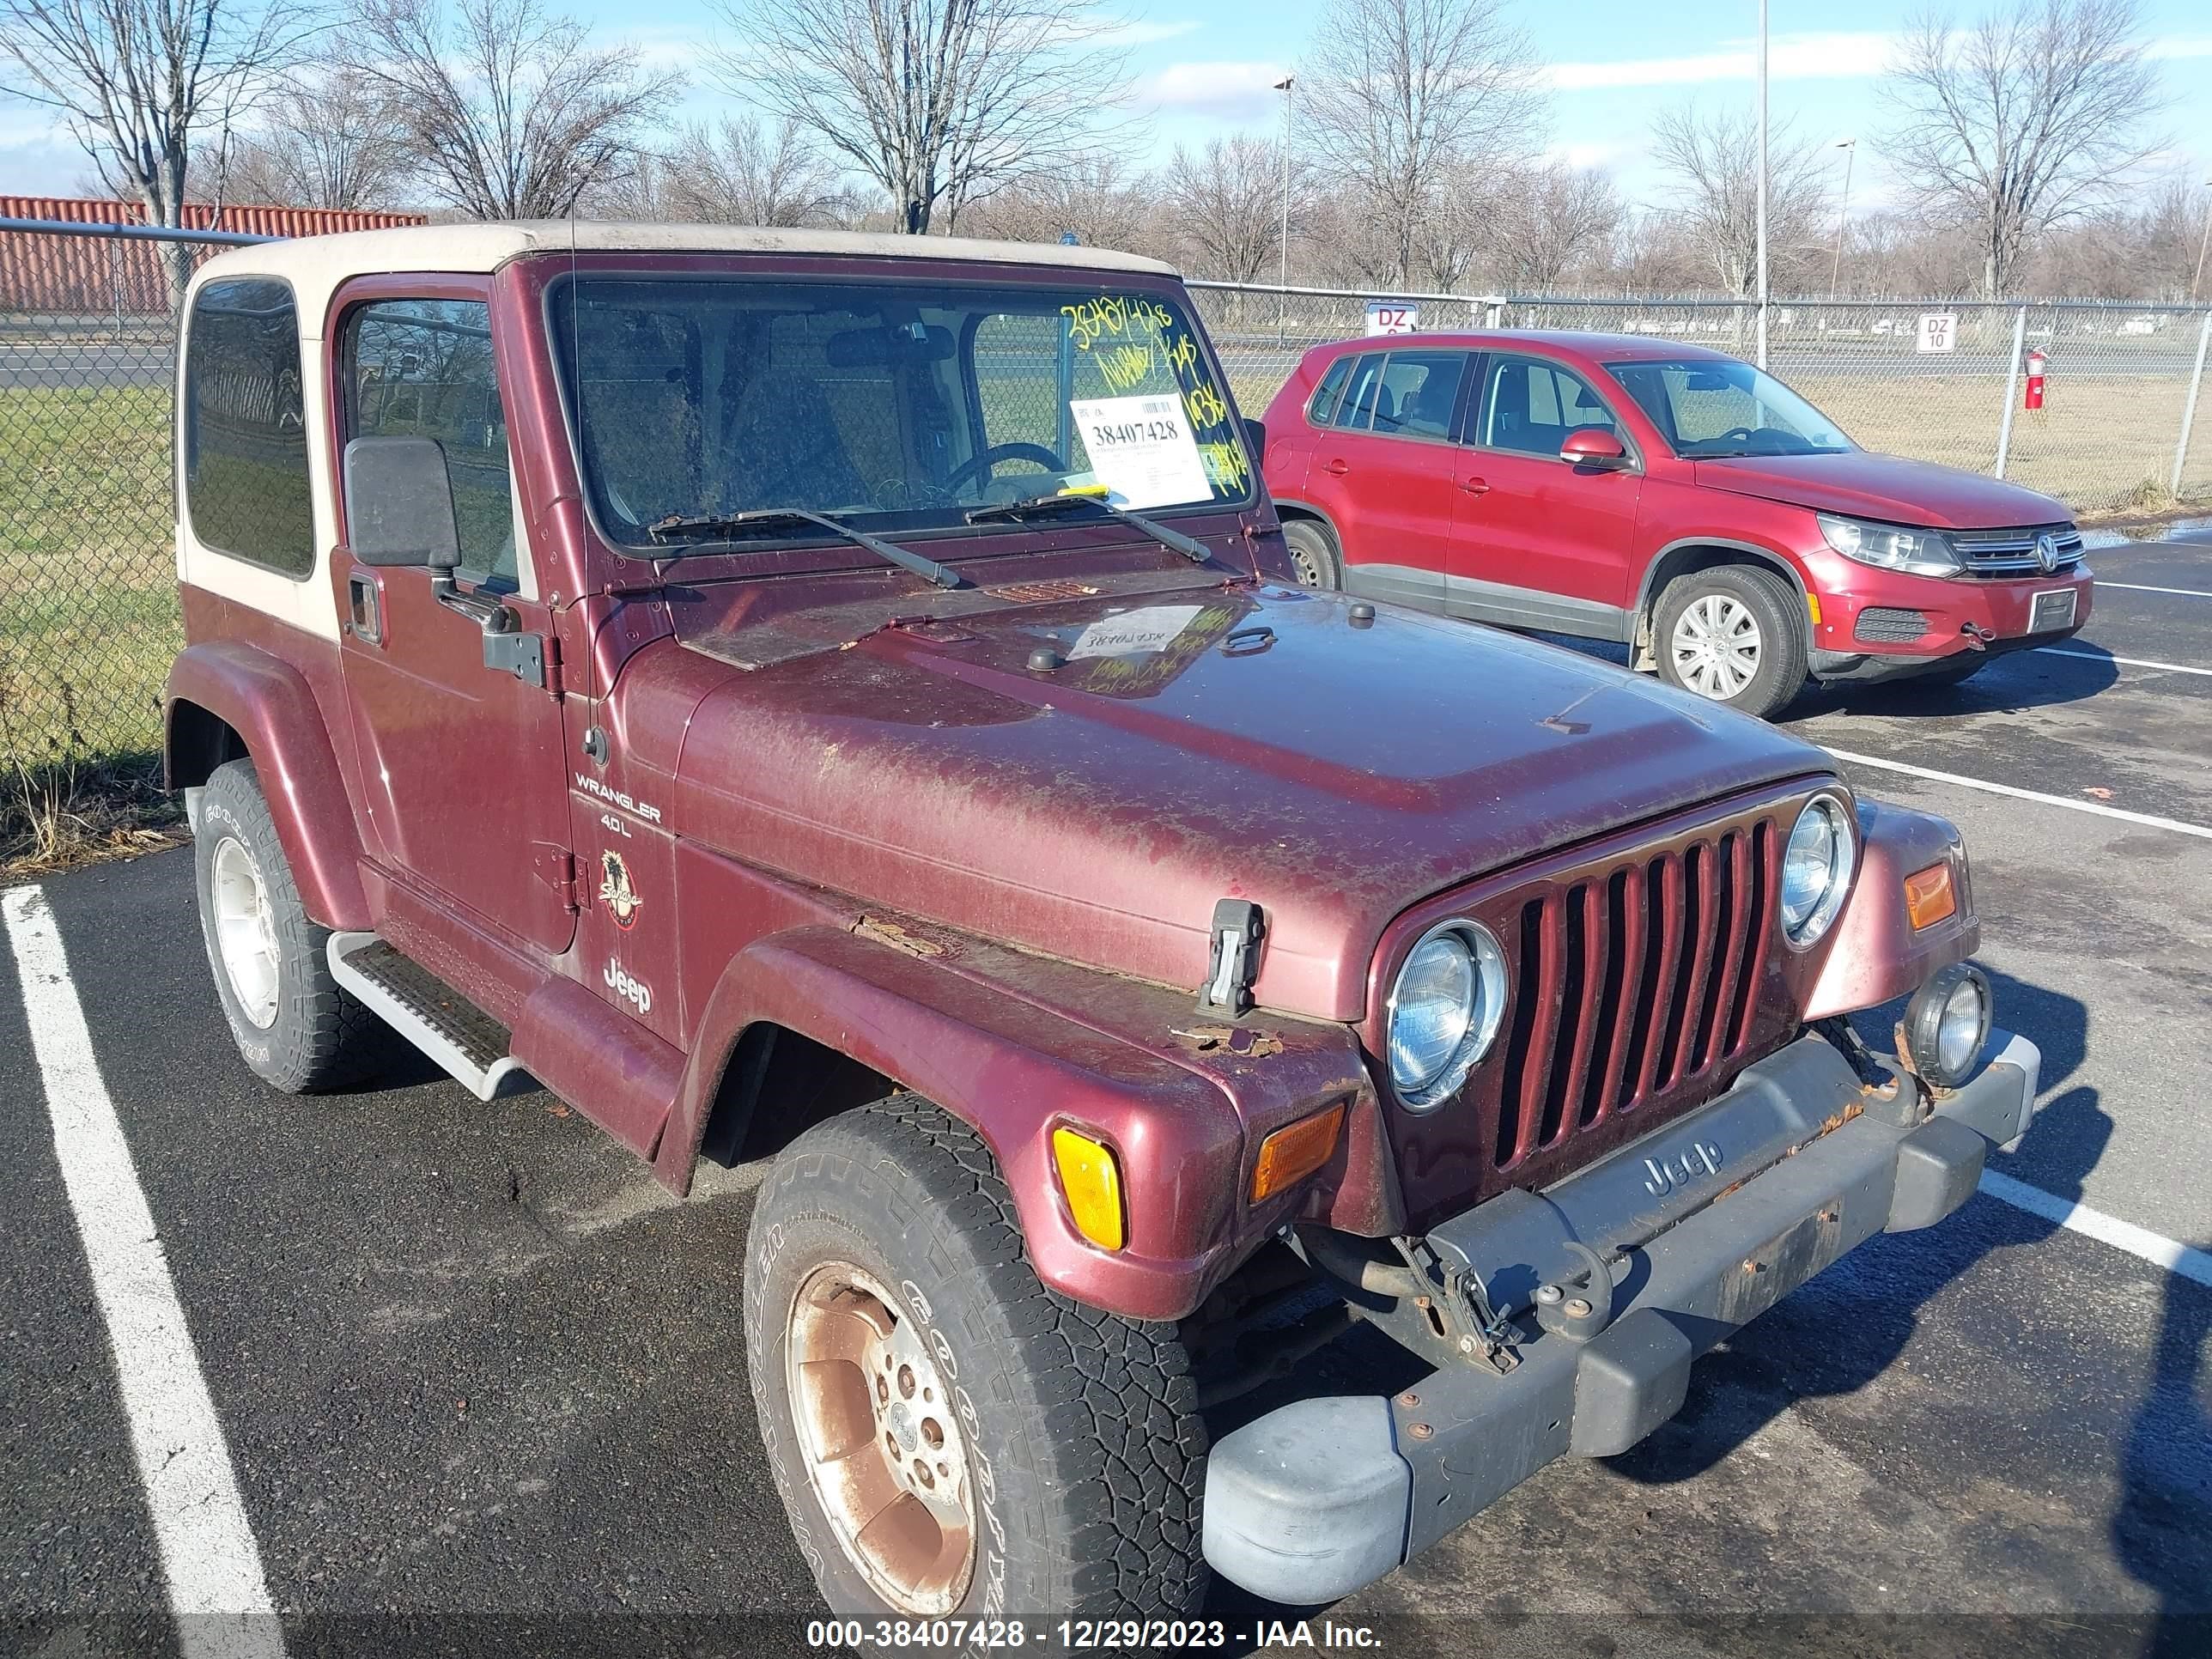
(1947,1026)
(1091,1180)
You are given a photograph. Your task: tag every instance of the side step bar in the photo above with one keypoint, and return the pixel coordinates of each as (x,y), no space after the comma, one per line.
(430,1013)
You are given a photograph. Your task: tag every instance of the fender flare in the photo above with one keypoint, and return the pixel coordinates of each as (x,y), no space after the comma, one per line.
(272,708)
(1012,1071)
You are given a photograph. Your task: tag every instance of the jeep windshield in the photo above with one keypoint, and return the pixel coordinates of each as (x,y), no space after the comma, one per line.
(1709,409)
(890,406)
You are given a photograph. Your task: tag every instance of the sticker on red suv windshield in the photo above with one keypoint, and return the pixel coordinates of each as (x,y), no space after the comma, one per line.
(1142,450)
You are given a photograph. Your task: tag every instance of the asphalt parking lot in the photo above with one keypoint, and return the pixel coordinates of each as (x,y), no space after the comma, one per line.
(482,1387)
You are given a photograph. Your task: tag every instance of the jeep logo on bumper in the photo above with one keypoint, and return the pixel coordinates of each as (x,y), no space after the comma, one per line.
(1663,1174)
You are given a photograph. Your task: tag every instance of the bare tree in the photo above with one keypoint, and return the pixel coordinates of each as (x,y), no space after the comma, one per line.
(2031,118)
(940,103)
(1227,200)
(1400,92)
(508,114)
(1546,221)
(140,83)
(1095,198)
(1712,162)
(741,172)
(329,141)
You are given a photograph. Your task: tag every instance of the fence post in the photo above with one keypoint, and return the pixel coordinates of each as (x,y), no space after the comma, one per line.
(2012,387)
(2188,408)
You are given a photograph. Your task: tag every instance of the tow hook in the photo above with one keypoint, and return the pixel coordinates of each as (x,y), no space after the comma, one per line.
(1977,637)
(1577,1316)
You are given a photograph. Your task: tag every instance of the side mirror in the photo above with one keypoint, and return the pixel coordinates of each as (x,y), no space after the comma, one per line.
(1595,448)
(399,503)
(1255,436)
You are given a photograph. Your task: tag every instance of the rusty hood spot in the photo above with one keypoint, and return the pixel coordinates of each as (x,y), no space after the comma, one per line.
(890,933)
(1239,1039)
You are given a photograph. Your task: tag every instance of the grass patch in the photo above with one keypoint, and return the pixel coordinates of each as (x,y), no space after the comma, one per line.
(68,812)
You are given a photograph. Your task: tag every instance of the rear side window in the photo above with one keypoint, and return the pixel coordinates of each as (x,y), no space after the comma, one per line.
(1323,403)
(1358,409)
(245,431)
(422,368)
(1420,393)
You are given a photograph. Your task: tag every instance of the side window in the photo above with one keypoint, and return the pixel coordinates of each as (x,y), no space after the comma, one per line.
(422,368)
(1323,403)
(1421,389)
(1361,395)
(1531,405)
(244,432)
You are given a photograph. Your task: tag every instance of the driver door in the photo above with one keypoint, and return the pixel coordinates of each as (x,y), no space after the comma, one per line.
(461,764)
(1537,543)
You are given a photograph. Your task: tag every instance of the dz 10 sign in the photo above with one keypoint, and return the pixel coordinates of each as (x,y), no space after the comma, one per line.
(1383,316)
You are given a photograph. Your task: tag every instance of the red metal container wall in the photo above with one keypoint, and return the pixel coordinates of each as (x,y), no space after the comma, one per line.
(103,276)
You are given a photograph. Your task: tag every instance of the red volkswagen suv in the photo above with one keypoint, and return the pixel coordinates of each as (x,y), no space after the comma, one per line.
(1661,495)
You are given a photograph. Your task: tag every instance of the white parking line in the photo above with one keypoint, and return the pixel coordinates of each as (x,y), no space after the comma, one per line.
(2127,662)
(2018,793)
(216,1590)
(2182,1259)
(2144,587)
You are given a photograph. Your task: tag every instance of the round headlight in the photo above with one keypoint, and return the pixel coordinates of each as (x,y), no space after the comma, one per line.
(1444,1010)
(1816,870)
(1948,1024)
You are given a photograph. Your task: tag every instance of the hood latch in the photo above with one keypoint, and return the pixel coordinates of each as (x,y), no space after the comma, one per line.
(1238,927)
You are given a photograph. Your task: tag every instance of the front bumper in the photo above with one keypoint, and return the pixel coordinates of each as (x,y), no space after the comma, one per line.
(1705,1224)
(2002,611)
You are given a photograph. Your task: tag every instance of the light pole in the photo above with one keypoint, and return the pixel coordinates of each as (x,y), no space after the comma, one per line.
(2202,242)
(1283,266)
(1762,184)
(1850,149)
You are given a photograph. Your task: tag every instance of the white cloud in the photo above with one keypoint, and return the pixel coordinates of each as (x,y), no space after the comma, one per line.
(2183,45)
(1590,154)
(1790,57)
(1140,32)
(1233,91)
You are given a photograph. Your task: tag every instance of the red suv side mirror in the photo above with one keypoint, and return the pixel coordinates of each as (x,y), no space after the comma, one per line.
(1594,448)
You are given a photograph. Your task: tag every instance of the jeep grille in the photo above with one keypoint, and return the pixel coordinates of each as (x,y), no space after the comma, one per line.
(1633,982)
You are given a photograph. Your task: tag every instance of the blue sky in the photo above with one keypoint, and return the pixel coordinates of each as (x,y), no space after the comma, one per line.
(1203,69)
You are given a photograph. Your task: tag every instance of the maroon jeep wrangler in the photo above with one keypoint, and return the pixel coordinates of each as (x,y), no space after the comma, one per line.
(845,700)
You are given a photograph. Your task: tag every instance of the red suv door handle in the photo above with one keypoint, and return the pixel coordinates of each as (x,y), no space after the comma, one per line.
(1474,486)
(1336,464)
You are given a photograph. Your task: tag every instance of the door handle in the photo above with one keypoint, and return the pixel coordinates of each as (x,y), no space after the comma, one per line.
(364,620)
(1337,465)
(1474,486)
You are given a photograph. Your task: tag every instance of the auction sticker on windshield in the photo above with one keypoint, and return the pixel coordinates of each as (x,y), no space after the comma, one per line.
(1142,450)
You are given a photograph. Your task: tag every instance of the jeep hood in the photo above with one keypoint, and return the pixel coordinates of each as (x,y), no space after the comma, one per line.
(1886,487)
(1214,742)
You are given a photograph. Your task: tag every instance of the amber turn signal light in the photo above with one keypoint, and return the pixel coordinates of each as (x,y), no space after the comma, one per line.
(1927,895)
(1091,1182)
(1295,1150)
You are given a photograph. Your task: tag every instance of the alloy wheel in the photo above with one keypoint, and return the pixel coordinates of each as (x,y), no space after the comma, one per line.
(245,930)
(881,1445)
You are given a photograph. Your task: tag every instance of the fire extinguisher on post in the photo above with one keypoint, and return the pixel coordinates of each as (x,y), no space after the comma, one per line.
(2035,366)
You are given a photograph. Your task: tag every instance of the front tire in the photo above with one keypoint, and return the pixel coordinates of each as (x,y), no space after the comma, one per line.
(293,1024)
(951,1438)
(1733,635)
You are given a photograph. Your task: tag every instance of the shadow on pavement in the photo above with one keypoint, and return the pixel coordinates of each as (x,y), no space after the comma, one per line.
(1994,689)
(2166,1475)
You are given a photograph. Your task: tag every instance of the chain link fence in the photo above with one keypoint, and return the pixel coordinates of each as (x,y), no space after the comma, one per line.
(87,607)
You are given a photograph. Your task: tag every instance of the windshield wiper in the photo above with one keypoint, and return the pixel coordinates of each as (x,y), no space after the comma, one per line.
(768,517)
(1037,506)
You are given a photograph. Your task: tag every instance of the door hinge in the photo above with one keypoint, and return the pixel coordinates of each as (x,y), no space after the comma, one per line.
(556,868)
(553,683)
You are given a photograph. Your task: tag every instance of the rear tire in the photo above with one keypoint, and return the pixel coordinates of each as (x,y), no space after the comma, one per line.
(1733,635)
(1313,555)
(951,1438)
(293,1024)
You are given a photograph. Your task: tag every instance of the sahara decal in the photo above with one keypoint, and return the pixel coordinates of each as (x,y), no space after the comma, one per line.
(591,786)
(617,894)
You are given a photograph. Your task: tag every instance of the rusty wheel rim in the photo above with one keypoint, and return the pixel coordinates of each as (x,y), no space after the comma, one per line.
(882,1447)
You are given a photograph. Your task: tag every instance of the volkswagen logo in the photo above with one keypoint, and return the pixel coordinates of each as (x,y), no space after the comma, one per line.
(2046,551)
